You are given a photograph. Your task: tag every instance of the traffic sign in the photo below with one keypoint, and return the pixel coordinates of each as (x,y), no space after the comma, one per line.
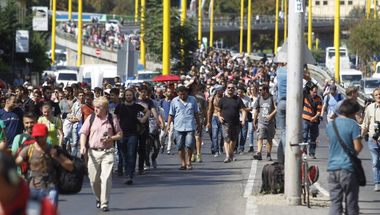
(97,52)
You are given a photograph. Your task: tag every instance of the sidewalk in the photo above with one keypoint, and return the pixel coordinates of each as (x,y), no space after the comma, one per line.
(272,204)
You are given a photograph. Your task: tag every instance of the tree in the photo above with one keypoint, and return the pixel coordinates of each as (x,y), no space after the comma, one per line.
(364,39)
(37,40)
(154,35)
(265,41)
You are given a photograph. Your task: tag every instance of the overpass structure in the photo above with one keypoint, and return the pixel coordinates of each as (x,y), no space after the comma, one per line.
(224,27)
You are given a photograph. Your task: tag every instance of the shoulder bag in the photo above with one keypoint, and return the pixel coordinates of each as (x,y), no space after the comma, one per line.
(356,162)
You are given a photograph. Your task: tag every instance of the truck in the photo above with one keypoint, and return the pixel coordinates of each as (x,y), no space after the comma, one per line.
(88,71)
(343,58)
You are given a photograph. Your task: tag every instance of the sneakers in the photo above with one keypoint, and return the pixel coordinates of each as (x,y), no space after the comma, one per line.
(269,158)
(258,156)
(377,188)
(233,158)
(146,168)
(193,158)
(227,160)
(312,156)
(154,164)
(168,152)
(199,158)
(162,150)
(241,152)
(251,149)
(97,204)
(128,180)
(216,154)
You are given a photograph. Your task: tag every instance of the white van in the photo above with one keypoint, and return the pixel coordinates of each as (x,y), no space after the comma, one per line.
(350,77)
(109,72)
(67,77)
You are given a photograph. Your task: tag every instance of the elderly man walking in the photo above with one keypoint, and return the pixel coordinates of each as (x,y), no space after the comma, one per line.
(183,110)
(101,134)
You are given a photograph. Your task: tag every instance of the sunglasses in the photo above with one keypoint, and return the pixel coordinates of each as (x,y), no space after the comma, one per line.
(230,87)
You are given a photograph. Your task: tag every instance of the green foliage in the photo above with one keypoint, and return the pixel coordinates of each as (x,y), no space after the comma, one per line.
(154,35)
(365,39)
(37,41)
(265,41)
(318,54)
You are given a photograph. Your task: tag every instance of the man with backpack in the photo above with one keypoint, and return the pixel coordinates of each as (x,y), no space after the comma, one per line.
(27,103)
(40,157)
(312,107)
(24,139)
(265,110)
(99,132)
(15,196)
(330,101)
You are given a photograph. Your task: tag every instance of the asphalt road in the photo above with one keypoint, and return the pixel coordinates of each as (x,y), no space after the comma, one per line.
(212,187)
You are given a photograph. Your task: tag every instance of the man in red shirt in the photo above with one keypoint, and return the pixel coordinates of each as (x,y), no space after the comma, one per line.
(15,194)
(88,108)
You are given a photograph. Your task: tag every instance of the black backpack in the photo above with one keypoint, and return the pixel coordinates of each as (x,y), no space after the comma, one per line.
(69,182)
(273,178)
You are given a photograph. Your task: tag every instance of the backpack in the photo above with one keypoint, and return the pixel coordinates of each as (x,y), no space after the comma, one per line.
(273,178)
(69,182)
(29,140)
(328,98)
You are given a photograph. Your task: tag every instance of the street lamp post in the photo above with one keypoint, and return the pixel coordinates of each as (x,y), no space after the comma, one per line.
(276,29)
(166,39)
(199,23)
(309,29)
(337,39)
(142,29)
(79,39)
(136,11)
(241,25)
(286,20)
(53,32)
(212,23)
(70,9)
(249,33)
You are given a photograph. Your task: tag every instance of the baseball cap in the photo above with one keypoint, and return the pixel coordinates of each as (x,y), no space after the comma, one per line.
(39,130)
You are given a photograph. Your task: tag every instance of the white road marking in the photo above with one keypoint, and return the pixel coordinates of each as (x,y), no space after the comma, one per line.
(251,206)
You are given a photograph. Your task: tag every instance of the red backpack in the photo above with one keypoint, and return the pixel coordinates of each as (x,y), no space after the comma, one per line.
(29,140)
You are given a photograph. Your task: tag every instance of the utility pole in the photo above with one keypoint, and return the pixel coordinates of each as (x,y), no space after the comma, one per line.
(212,23)
(79,39)
(249,33)
(309,29)
(136,11)
(199,23)
(296,59)
(337,40)
(286,20)
(276,30)
(142,29)
(70,9)
(166,39)
(53,25)
(241,25)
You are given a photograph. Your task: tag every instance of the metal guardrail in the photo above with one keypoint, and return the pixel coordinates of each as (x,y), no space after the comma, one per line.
(318,71)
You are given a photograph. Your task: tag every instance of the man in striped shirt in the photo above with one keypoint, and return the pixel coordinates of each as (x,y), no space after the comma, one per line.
(312,107)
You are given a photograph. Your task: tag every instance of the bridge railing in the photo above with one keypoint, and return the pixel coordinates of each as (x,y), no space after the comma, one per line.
(325,74)
(73,38)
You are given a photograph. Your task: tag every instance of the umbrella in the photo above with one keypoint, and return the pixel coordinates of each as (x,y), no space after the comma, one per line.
(282,54)
(163,78)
